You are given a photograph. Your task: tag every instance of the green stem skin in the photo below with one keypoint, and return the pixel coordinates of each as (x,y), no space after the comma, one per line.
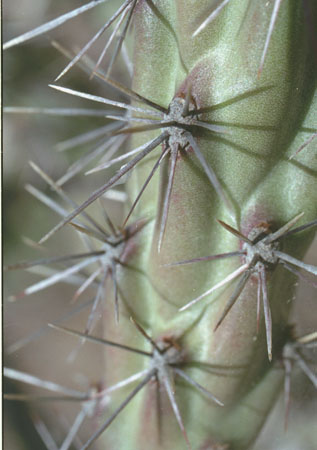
(265,127)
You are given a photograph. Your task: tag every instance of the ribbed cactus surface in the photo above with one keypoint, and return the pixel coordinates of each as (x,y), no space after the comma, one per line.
(221,209)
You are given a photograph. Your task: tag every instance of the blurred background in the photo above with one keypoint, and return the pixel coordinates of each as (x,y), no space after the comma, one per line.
(27,71)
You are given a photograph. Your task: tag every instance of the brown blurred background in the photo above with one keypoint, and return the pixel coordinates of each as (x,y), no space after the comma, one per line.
(28,69)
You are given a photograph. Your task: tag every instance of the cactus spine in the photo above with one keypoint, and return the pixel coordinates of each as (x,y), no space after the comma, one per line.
(208,276)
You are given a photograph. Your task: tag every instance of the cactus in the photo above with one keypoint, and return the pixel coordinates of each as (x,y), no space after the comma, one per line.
(193,288)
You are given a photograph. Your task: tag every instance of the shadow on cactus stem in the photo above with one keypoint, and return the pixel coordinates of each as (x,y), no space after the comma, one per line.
(181,123)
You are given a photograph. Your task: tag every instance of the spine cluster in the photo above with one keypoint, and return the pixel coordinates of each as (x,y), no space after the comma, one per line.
(213,139)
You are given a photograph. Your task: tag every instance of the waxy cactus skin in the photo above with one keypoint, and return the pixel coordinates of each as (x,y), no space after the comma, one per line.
(228,179)
(251,162)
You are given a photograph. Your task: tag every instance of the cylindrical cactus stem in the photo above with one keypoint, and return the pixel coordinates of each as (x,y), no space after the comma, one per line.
(233,114)
(223,206)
